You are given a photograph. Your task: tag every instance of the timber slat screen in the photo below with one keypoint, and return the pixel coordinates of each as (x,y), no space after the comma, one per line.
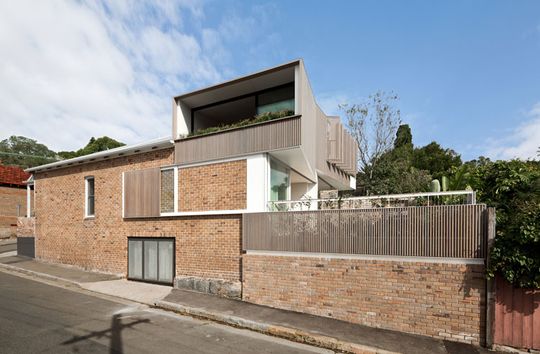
(141,193)
(271,135)
(457,231)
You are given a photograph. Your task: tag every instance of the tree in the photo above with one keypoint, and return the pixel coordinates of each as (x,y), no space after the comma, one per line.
(94,145)
(373,125)
(393,171)
(403,137)
(393,175)
(25,152)
(435,159)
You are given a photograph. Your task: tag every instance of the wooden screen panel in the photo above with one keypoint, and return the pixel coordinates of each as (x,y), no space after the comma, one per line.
(262,137)
(141,193)
(452,231)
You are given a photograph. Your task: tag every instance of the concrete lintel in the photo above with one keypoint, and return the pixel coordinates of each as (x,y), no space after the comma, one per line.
(414,259)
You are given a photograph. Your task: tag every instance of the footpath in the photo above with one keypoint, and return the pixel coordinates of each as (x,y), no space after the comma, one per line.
(324,332)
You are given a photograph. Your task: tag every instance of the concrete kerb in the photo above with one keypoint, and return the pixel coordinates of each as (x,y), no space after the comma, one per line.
(293,334)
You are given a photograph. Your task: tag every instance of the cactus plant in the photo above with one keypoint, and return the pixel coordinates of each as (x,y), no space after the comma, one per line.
(444,183)
(435,185)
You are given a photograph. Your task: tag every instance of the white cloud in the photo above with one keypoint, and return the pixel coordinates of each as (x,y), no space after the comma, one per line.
(72,70)
(523,142)
(329,102)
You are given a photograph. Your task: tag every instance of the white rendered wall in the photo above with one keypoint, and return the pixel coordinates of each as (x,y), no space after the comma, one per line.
(181,120)
(353,182)
(305,191)
(257,180)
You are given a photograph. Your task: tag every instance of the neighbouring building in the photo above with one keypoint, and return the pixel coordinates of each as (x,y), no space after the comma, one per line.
(170,210)
(13,198)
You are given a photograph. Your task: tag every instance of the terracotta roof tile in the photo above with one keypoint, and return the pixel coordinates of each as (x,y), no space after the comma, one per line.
(13,175)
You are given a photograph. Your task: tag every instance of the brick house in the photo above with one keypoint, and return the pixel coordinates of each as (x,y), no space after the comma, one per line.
(13,197)
(228,205)
(170,210)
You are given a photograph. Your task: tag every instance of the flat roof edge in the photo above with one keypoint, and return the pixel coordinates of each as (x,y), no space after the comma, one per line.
(152,145)
(240,79)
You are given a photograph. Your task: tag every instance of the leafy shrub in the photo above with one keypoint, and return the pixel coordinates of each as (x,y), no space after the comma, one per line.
(513,188)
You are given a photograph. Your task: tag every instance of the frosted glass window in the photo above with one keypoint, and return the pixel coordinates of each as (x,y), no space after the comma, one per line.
(135,259)
(167,191)
(150,260)
(166,261)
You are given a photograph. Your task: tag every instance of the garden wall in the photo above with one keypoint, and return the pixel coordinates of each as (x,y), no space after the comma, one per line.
(442,298)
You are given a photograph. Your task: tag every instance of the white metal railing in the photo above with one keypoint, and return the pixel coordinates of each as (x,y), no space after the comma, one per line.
(377,201)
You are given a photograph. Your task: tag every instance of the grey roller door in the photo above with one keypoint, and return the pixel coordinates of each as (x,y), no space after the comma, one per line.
(26,246)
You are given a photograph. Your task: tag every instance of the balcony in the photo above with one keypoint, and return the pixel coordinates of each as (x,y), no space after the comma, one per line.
(276,134)
(465,197)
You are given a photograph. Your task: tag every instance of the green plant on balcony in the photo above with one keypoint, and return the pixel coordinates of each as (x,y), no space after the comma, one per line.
(260,118)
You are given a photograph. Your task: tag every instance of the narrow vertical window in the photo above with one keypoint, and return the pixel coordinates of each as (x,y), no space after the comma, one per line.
(89,202)
(279,182)
(168,190)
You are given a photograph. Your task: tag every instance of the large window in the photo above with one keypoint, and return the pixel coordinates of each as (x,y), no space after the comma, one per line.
(168,190)
(279,99)
(280,183)
(89,207)
(234,110)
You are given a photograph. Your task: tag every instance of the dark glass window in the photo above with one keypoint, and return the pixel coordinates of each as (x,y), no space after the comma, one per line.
(280,99)
(90,209)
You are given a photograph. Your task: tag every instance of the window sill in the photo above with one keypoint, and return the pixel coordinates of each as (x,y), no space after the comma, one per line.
(92,217)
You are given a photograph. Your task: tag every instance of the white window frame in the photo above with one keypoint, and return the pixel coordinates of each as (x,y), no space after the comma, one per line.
(86,206)
(175,181)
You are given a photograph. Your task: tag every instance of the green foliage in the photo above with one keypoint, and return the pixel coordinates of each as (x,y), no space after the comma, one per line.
(393,172)
(438,161)
(25,152)
(94,145)
(405,169)
(263,117)
(513,188)
(403,137)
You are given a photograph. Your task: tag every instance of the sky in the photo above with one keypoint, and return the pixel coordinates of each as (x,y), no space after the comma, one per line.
(467,73)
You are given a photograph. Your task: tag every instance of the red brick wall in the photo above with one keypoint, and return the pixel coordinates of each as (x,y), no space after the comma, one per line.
(434,299)
(220,186)
(9,199)
(205,245)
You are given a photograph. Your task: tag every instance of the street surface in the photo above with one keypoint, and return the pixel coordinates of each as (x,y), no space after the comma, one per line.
(38,317)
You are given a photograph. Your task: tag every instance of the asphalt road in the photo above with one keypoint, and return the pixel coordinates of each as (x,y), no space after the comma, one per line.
(37,317)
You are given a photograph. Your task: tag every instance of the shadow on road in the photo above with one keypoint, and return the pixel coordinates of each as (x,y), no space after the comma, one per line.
(114,333)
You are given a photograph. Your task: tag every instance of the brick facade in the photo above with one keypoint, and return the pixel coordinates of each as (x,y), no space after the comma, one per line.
(10,198)
(206,246)
(434,299)
(219,186)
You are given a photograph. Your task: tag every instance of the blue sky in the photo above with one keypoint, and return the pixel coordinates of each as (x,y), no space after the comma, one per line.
(467,72)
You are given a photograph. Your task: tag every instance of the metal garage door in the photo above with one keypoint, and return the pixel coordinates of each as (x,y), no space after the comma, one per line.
(26,246)
(151,259)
